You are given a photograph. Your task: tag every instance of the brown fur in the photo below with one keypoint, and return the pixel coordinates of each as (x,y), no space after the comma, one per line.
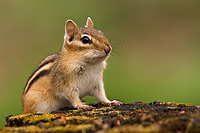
(57,81)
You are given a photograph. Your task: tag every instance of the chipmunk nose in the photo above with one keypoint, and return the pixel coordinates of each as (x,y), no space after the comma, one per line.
(107,49)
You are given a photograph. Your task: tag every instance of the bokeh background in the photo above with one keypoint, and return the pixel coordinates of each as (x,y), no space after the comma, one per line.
(156,47)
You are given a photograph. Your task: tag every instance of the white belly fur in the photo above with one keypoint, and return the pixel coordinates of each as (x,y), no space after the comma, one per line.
(90,79)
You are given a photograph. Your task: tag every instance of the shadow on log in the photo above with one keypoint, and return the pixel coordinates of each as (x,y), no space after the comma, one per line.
(134,117)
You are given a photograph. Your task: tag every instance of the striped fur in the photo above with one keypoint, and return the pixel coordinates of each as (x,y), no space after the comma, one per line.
(63,79)
(41,70)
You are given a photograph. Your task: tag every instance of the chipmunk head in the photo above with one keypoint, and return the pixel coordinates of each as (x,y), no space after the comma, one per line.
(90,43)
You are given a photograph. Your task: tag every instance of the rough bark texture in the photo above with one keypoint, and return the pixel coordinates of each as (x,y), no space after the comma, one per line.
(134,117)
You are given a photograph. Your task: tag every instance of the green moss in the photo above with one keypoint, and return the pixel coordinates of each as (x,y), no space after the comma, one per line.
(67,128)
(174,104)
(137,117)
(30,118)
(80,119)
(134,129)
(36,118)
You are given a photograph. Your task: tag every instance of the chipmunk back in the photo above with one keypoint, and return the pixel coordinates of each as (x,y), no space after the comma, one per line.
(63,79)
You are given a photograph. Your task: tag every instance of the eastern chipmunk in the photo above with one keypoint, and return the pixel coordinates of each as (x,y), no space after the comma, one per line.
(63,79)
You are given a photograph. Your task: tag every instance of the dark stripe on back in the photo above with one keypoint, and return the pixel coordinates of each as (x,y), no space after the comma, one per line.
(40,66)
(41,74)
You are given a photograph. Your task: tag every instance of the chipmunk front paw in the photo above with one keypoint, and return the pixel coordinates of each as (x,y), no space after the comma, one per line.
(112,103)
(85,107)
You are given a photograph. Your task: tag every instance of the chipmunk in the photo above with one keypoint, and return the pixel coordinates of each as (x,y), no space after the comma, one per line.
(63,79)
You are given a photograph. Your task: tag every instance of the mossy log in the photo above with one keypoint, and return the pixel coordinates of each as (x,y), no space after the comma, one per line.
(134,117)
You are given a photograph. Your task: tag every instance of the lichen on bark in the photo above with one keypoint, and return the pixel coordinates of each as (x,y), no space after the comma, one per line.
(134,117)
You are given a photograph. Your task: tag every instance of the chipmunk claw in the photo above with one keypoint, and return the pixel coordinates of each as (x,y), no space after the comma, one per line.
(106,104)
(115,103)
(112,103)
(85,107)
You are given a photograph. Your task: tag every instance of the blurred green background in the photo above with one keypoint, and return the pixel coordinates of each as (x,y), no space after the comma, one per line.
(160,59)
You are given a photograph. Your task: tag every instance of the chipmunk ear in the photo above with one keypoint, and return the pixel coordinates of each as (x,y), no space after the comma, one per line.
(71,28)
(89,23)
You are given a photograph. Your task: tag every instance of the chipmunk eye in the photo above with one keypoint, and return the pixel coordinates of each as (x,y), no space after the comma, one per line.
(85,40)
